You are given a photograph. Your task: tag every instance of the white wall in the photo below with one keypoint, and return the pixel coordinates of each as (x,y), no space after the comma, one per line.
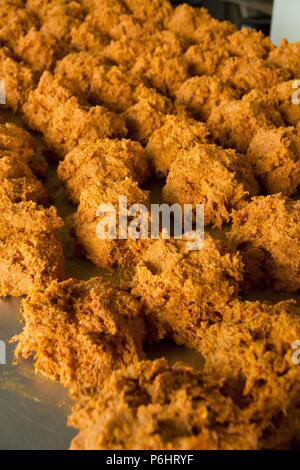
(286,21)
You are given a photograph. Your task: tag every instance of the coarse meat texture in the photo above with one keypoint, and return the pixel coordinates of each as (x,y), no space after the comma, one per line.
(104,15)
(126,49)
(164,74)
(57,17)
(91,79)
(235,123)
(91,226)
(286,97)
(222,180)
(30,248)
(147,114)
(250,352)
(287,57)
(75,72)
(202,281)
(15,22)
(157,11)
(17,143)
(275,157)
(206,59)
(92,162)
(178,132)
(80,331)
(19,80)
(38,50)
(139,102)
(249,43)
(54,111)
(20,31)
(201,95)
(84,37)
(18,183)
(155,406)
(196,24)
(266,233)
(247,73)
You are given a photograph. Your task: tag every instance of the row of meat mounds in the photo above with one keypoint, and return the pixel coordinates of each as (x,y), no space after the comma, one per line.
(98,323)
